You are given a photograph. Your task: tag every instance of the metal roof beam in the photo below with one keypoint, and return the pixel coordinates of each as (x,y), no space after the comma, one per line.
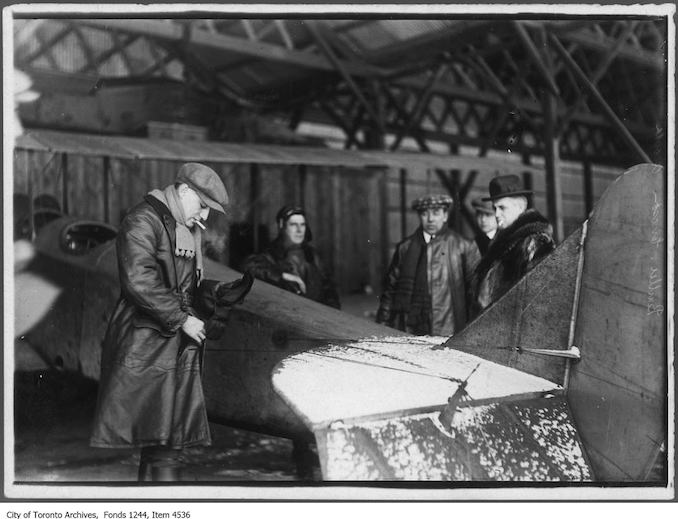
(203,38)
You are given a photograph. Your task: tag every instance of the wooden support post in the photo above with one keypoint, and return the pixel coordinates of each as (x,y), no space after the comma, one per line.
(554,195)
(64,183)
(385,236)
(464,212)
(302,184)
(374,134)
(254,206)
(528,182)
(107,180)
(29,191)
(588,188)
(403,203)
(337,241)
(456,207)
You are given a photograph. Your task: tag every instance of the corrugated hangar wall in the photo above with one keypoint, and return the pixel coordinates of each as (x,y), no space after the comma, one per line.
(354,213)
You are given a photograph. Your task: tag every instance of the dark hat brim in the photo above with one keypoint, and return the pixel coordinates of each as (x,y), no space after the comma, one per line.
(483,210)
(507,195)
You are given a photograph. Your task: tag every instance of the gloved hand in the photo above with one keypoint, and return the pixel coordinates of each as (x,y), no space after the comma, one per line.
(233,293)
(215,300)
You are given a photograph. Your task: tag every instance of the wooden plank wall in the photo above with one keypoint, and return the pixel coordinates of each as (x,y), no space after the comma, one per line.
(343,205)
(353,233)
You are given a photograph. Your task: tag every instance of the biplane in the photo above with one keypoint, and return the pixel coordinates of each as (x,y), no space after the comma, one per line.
(565,378)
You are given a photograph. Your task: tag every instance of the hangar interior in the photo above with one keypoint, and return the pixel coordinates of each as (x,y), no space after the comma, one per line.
(352,118)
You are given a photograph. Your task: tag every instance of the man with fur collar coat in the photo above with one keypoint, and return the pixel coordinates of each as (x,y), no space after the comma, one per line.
(524,237)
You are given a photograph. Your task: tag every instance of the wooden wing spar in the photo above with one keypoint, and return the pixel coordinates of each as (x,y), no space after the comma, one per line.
(562,379)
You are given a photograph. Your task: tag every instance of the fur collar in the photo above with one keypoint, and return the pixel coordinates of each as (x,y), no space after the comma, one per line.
(529,223)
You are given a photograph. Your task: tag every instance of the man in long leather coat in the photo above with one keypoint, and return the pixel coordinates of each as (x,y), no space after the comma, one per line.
(524,238)
(150,393)
(427,287)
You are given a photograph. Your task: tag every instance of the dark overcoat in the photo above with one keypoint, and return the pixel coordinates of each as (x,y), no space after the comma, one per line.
(512,253)
(150,391)
(451,259)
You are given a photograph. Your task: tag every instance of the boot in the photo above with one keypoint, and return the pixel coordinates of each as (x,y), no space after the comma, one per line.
(159,463)
(165,473)
(144,471)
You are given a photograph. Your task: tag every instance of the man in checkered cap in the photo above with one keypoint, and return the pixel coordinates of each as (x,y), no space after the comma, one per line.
(426,290)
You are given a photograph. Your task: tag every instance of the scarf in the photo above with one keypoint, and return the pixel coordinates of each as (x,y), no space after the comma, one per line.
(411,292)
(188,244)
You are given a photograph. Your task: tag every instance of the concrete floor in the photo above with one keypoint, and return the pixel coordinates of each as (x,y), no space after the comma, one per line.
(52,426)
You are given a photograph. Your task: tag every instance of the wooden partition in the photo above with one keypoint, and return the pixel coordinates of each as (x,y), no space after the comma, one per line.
(342,204)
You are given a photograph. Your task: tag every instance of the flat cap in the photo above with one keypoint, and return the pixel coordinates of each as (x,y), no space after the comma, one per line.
(431,202)
(206,183)
(481,206)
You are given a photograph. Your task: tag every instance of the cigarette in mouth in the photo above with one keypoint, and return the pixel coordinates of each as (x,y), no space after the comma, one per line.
(200,225)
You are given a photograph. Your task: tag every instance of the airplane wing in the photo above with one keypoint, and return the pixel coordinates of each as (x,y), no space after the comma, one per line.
(570,380)
(379,410)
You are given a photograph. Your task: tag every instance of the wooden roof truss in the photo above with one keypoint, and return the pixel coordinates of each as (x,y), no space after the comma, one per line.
(481,83)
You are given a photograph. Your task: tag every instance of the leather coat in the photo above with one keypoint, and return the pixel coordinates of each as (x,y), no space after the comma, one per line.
(150,391)
(451,260)
(303,261)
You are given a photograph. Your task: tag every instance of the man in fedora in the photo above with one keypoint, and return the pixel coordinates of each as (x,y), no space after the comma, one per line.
(426,290)
(523,238)
(486,222)
(150,393)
